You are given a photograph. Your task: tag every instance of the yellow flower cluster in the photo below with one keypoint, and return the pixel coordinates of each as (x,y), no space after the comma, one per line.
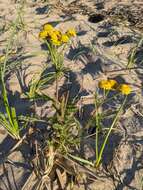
(113,85)
(108,84)
(54,36)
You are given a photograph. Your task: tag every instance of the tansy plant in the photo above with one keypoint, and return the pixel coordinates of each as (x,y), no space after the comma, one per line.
(64,121)
(107,86)
(56,42)
(98,116)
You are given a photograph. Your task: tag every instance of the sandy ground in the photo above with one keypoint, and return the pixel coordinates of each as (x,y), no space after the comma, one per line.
(105,47)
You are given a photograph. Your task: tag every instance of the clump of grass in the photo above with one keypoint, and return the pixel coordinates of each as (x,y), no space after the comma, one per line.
(9,120)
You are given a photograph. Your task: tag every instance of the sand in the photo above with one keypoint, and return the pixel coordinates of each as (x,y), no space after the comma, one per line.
(105,48)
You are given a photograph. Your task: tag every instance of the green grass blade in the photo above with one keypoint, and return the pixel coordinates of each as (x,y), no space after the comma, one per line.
(81,160)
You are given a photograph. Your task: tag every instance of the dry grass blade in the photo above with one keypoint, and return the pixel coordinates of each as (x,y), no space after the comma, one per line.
(24,187)
(62,178)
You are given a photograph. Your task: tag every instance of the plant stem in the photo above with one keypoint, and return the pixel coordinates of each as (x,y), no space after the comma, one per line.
(56,88)
(96,143)
(97,127)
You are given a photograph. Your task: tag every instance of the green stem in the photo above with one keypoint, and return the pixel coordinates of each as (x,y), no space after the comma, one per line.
(108,99)
(96,143)
(56,88)
(97,127)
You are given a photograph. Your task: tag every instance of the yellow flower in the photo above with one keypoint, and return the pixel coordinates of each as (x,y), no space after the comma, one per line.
(43,34)
(125,89)
(47,27)
(58,33)
(71,33)
(51,33)
(54,34)
(64,38)
(55,41)
(113,83)
(105,84)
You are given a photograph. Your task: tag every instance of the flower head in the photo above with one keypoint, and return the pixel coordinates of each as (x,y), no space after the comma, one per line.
(125,89)
(105,84)
(58,33)
(64,38)
(54,36)
(71,33)
(47,27)
(108,84)
(113,83)
(55,41)
(43,34)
